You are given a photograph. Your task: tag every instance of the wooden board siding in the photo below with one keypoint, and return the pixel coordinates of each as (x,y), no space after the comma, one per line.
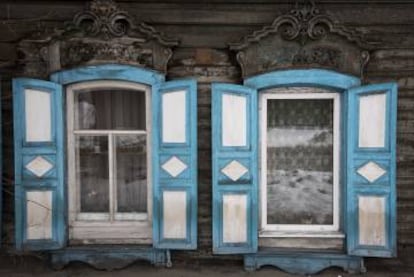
(204,31)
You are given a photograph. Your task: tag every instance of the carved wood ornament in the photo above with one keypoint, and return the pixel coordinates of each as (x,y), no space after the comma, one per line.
(305,37)
(102,33)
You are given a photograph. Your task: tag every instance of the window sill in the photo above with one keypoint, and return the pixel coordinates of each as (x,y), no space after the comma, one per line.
(293,234)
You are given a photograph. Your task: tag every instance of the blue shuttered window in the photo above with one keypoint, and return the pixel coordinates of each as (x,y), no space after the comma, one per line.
(368,162)
(40,196)
(235,206)
(39,164)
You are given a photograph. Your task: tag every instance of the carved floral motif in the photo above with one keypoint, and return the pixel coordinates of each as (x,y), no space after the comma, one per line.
(305,36)
(103,18)
(319,55)
(76,53)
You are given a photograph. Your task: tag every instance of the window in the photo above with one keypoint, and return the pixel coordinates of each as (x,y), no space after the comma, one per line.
(299,161)
(102,172)
(108,148)
(312,157)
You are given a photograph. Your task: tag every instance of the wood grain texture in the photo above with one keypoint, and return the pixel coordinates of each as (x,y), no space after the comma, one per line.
(39,214)
(203,54)
(371,218)
(234,218)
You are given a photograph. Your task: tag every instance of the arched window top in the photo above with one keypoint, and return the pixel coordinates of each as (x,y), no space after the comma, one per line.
(108,72)
(303,77)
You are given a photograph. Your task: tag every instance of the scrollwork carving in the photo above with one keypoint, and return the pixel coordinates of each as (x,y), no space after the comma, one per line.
(78,52)
(102,19)
(303,24)
(304,37)
(322,56)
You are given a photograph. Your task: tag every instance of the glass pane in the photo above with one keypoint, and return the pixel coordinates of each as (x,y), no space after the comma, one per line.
(110,109)
(300,161)
(92,173)
(131,172)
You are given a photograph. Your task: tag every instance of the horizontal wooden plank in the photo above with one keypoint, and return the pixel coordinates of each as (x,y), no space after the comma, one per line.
(393,64)
(406,82)
(406,104)
(238,12)
(207,73)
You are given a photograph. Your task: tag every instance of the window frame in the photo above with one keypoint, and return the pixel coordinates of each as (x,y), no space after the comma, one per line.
(135,227)
(300,230)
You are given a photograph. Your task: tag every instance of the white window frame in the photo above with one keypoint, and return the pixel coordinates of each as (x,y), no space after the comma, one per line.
(299,230)
(109,227)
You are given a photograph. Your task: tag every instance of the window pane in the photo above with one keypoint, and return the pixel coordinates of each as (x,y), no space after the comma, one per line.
(110,109)
(92,173)
(131,172)
(300,161)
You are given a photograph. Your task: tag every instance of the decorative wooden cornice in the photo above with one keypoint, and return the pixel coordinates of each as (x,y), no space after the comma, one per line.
(304,37)
(102,33)
(103,19)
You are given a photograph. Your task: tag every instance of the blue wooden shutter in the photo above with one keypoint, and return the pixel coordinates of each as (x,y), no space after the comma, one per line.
(174,165)
(39,164)
(235,203)
(371,166)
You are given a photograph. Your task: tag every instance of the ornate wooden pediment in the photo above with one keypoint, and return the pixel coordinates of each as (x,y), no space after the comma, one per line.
(303,38)
(102,33)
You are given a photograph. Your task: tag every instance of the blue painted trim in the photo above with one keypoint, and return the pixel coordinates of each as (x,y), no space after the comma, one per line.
(108,257)
(303,263)
(23,149)
(186,181)
(315,78)
(108,72)
(248,184)
(384,186)
(343,161)
(303,77)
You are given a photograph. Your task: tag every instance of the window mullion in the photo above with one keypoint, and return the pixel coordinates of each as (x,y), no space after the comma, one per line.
(114,194)
(111,177)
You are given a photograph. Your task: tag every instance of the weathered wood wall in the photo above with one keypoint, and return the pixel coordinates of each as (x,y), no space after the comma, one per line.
(204,30)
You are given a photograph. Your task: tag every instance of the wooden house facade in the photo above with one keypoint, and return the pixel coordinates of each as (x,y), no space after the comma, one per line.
(276,132)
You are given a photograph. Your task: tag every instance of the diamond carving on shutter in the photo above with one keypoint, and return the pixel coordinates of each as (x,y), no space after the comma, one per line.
(174,166)
(234,170)
(371,171)
(39,166)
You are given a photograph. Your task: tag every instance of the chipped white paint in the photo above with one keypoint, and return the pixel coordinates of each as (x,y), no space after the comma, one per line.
(38,115)
(371,171)
(39,166)
(234,218)
(371,212)
(234,120)
(39,214)
(115,232)
(173,117)
(234,170)
(372,117)
(174,166)
(175,214)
